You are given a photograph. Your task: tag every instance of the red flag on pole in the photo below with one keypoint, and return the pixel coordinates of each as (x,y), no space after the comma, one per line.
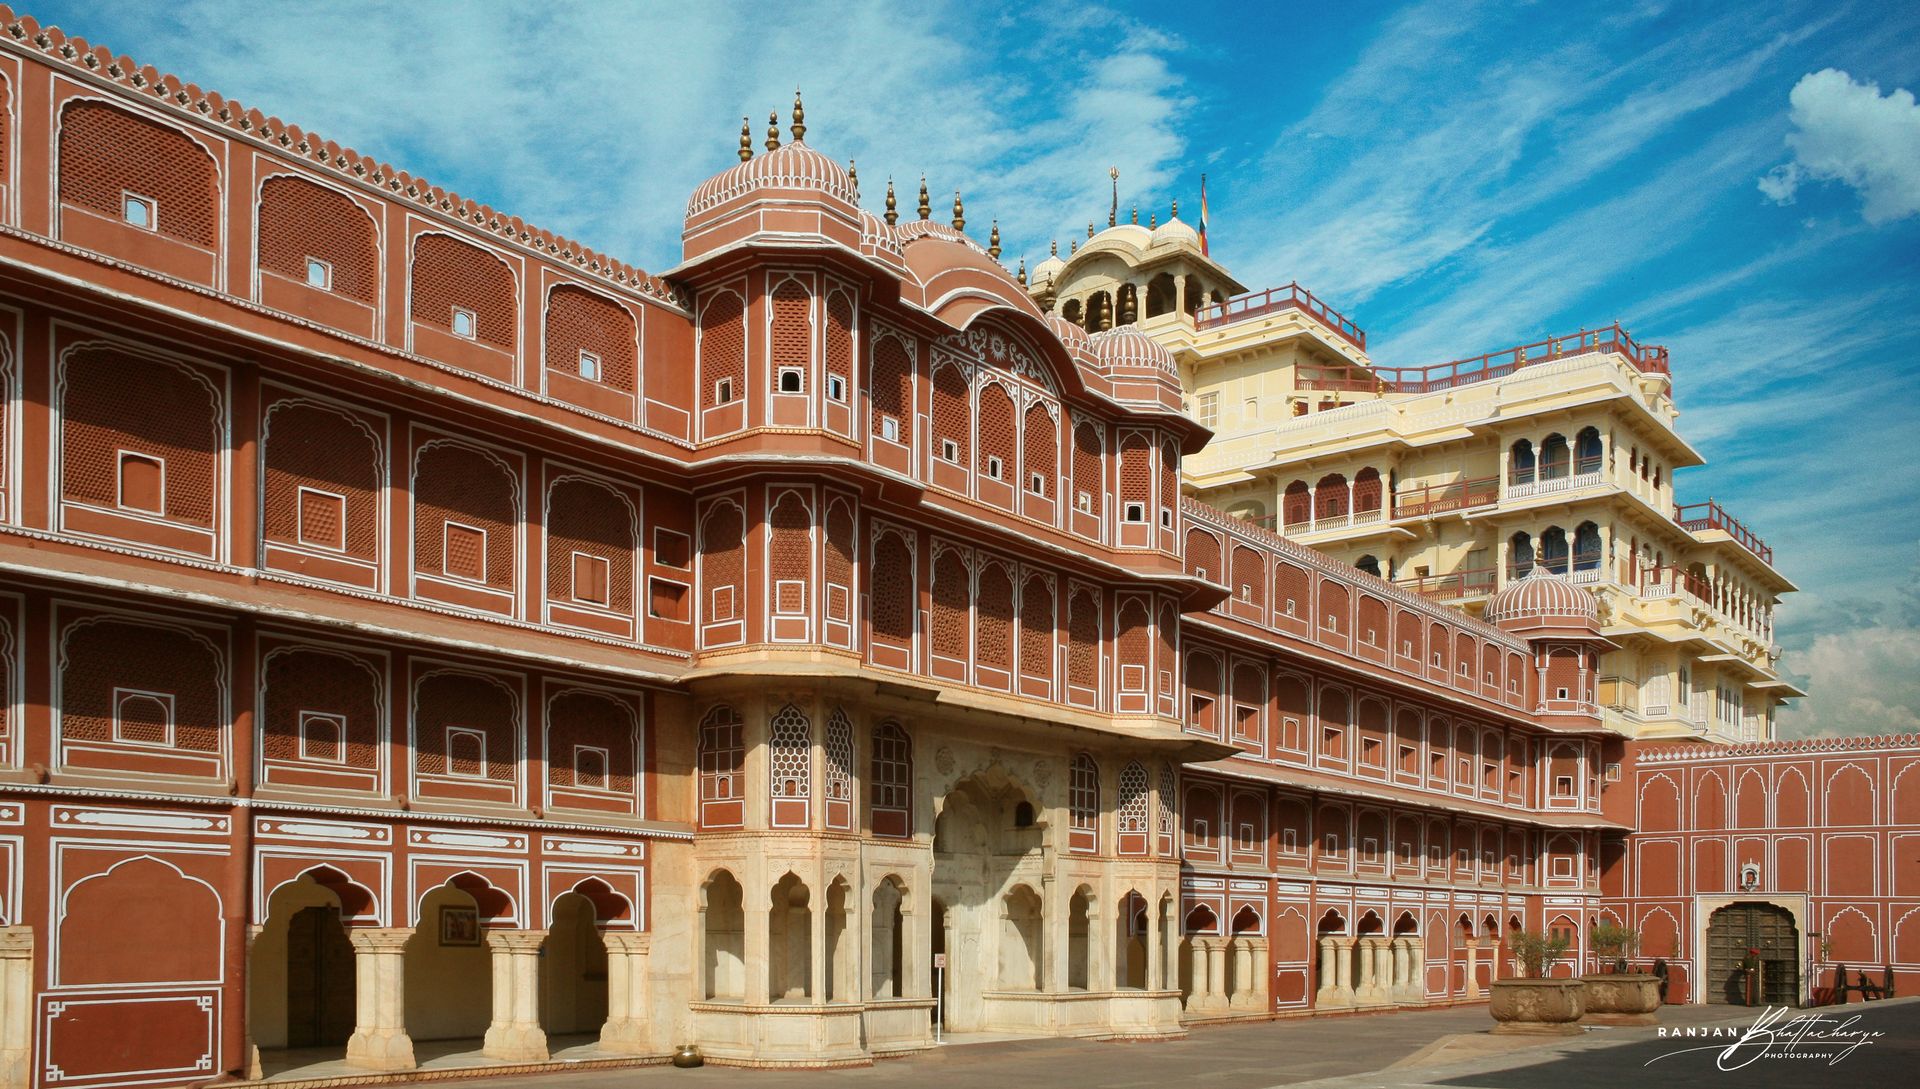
(1203,214)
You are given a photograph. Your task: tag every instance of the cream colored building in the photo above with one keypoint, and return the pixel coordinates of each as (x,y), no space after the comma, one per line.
(1454,479)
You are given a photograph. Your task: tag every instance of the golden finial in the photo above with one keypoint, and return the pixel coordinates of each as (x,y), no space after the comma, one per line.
(926,208)
(959,212)
(893,206)
(1055,251)
(773,131)
(1136,215)
(799,117)
(1153,219)
(1089,228)
(1176,207)
(1073,246)
(746,139)
(1127,305)
(993,241)
(853,176)
(1021,276)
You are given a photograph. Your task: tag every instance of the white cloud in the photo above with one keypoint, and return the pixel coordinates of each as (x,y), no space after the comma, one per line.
(1849,132)
(597,120)
(1859,682)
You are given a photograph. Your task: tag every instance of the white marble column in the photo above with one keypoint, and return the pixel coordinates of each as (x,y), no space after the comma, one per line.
(16,1007)
(627,1030)
(1417,953)
(1244,994)
(1328,992)
(757,945)
(1217,973)
(1369,992)
(1155,961)
(1198,992)
(1473,968)
(516,1035)
(380,1040)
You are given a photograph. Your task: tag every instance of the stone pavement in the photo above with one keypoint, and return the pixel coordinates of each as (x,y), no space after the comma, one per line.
(1640,1058)
(1403,1050)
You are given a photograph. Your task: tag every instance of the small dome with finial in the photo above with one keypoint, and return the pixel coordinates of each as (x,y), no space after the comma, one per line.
(1542,600)
(792,167)
(1048,269)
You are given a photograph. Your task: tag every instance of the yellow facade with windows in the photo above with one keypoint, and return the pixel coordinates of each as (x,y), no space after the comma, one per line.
(1454,480)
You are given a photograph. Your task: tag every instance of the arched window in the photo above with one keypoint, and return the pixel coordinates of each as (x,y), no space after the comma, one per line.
(1554,457)
(790,751)
(1520,463)
(1586,547)
(1586,450)
(839,785)
(1368,564)
(1133,799)
(1083,801)
(1297,505)
(722,759)
(1520,556)
(1367,493)
(1330,497)
(1553,550)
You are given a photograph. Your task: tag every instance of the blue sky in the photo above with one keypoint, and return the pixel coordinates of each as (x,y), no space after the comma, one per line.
(1738,182)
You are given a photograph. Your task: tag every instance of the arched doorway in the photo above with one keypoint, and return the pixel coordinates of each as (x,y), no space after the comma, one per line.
(573,970)
(302,993)
(1761,934)
(989,919)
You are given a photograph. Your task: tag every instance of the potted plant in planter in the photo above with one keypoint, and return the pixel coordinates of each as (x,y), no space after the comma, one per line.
(1618,997)
(1536,1005)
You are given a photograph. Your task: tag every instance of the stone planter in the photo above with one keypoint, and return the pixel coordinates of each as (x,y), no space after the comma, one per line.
(1537,1007)
(1630,998)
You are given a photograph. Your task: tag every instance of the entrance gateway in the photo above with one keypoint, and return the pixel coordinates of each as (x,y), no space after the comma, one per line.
(1764,932)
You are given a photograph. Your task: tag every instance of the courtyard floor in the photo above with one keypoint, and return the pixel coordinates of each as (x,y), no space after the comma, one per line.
(1404,1050)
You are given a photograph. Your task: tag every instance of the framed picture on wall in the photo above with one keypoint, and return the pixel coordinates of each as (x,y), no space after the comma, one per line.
(459,925)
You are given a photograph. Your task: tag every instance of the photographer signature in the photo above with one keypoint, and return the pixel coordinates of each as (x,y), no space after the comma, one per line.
(1807,1036)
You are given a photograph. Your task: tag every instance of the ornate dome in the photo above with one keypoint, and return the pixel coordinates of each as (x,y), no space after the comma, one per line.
(1175,232)
(1133,234)
(1047,270)
(791,166)
(1542,596)
(1127,346)
(1070,334)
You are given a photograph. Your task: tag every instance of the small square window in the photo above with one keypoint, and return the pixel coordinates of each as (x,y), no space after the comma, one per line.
(590,767)
(1083,502)
(672,549)
(1037,483)
(138,211)
(792,380)
(1559,693)
(143,483)
(995,467)
(836,388)
(323,737)
(666,600)
(950,451)
(319,274)
(1136,512)
(723,392)
(1166,517)
(322,519)
(591,578)
(463,323)
(889,429)
(589,366)
(466,552)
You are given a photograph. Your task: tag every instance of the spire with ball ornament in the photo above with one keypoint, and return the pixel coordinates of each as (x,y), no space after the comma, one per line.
(959,213)
(926,206)
(893,205)
(799,118)
(773,130)
(746,139)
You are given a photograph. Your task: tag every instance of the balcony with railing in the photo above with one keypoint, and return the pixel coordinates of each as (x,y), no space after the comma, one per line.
(1701,517)
(1647,359)
(1275,299)
(1432,499)
(1552,478)
(1455,585)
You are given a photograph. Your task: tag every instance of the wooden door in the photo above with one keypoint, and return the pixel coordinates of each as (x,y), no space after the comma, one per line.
(319,979)
(1768,931)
